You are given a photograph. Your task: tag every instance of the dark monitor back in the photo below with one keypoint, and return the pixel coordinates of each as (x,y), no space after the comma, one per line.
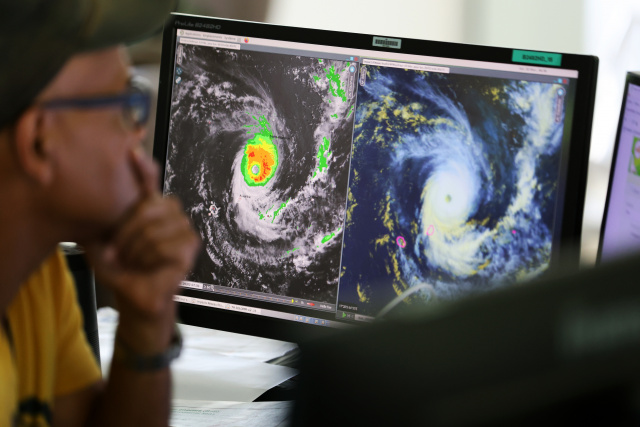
(86,294)
(558,352)
(328,173)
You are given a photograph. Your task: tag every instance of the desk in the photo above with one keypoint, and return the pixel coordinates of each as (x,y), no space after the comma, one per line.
(215,366)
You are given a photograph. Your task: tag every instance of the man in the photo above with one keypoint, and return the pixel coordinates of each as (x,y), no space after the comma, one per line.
(71,169)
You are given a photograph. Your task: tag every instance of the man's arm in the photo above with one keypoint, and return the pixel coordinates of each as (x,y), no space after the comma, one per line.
(72,410)
(143,263)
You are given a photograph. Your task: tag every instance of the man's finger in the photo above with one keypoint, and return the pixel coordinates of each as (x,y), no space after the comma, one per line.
(152,237)
(146,173)
(145,214)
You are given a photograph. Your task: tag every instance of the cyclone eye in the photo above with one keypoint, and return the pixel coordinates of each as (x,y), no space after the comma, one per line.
(260,159)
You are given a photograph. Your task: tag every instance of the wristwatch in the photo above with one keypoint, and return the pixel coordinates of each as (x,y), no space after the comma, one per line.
(122,353)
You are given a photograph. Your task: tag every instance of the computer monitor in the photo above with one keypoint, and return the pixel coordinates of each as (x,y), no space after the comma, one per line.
(328,173)
(620,231)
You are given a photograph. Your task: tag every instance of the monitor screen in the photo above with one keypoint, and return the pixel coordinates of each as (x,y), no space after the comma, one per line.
(329,173)
(620,232)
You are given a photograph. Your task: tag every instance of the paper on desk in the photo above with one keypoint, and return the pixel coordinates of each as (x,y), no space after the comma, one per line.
(214,365)
(205,375)
(193,413)
(237,345)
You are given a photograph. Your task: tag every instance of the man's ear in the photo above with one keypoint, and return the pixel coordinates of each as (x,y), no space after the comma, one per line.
(33,149)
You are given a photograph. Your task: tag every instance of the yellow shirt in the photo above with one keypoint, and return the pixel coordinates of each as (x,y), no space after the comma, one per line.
(49,355)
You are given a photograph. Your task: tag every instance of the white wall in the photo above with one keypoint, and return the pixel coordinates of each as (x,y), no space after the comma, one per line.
(423,19)
(553,25)
(613,34)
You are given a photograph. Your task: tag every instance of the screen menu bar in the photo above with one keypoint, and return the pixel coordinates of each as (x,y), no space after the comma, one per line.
(259,296)
(260,312)
(373,54)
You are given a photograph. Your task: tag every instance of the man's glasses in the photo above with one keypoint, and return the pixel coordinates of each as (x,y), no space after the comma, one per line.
(135,102)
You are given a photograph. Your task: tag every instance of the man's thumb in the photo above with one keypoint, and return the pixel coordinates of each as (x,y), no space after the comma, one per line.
(146,173)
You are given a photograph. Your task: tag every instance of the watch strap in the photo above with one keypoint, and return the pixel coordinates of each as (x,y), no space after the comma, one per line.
(122,353)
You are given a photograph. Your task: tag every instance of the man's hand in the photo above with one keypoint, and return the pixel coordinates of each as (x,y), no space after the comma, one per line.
(144,261)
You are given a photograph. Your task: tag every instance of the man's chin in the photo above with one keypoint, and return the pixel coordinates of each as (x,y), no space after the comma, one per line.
(103,230)
(97,236)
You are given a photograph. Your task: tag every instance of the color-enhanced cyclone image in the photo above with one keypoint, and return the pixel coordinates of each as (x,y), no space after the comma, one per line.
(453,185)
(259,148)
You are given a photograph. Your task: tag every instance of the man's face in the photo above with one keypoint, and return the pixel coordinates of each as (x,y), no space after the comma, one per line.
(94,181)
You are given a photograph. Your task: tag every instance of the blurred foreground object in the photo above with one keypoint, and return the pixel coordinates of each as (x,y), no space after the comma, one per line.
(86,293)
(562,351)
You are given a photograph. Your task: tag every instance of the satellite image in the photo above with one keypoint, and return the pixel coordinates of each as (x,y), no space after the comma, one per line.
(453,185)
(259,148)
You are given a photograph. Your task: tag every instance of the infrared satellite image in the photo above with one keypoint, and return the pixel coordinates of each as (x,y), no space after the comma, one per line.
(453,184)
(259,148)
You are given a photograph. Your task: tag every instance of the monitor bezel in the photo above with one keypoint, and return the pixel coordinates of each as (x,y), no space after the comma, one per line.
(631,78)
(576,176)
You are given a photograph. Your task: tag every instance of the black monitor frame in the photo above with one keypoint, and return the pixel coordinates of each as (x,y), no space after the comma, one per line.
(572,204)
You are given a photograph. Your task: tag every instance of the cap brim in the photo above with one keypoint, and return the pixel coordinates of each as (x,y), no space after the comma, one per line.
(125,21)
(46,34)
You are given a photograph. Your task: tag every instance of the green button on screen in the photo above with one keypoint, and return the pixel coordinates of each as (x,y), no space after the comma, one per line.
(538,58)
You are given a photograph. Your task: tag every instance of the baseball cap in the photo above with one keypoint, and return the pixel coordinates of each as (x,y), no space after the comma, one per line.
(37,37)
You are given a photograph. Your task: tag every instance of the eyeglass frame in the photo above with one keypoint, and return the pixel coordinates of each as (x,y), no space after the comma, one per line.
(138,94)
